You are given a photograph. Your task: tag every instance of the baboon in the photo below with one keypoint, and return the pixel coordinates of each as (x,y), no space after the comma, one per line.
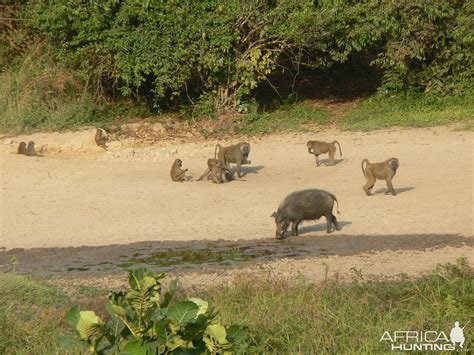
(220,174)
(216,172)
(30,149)
(211,163)
(21,148)
(101,138)
(178,174)
(317,148)
(235,154)
(383,171)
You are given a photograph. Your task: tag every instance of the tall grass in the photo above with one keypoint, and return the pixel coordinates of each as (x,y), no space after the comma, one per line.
(333,318)
(283,316)
(37,94)
(411,111)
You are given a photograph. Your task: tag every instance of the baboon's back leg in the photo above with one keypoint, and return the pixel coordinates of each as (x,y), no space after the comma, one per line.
(390,187)
(369,185)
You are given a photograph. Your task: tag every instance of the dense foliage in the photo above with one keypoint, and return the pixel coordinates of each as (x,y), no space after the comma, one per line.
(216,53)
(145,321)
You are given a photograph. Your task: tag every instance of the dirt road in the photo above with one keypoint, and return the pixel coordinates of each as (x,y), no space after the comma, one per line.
(79,195)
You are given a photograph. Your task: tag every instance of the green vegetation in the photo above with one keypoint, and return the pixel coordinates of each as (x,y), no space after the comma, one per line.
(291,117)
(411,111)
(31,314)
(145,321)
(69,63)
(282,316)
(333,318)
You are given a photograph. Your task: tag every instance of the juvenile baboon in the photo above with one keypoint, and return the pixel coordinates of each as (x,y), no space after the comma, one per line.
(178,174)
(21,148)
(211,163)
(220,174)
(383,171)
(101,138)
(235,154)
(317,148)
(30,149)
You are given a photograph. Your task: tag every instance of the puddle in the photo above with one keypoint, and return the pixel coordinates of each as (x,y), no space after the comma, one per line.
(207,255)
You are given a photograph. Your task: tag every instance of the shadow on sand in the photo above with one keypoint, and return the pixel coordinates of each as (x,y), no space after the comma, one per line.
(201,255)
(398,191)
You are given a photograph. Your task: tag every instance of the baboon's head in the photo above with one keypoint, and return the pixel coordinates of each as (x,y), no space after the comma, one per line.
(245,149)
(394,164)
(31,144)
(310,147)
(178,162)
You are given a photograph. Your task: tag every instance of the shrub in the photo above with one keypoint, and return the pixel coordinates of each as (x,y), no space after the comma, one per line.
(144,320)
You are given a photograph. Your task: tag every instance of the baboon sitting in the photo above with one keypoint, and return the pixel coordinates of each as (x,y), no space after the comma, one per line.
(101,138)
(235,154)
(21,148)
(216,172)
(211,163)
(178,174)
(317,148)
(220,174)
(383,171)
(30,149)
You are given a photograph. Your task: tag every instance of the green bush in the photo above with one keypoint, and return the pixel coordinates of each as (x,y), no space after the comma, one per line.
(144,320)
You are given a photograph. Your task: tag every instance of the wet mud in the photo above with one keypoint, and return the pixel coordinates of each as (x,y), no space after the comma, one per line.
(205,256)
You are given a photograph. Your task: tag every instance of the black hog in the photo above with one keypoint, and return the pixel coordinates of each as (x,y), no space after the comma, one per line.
(302,206)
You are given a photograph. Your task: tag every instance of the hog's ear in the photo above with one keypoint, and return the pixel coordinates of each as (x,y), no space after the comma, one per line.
(274,214)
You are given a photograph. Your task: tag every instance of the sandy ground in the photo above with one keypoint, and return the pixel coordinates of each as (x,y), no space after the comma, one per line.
(78,195)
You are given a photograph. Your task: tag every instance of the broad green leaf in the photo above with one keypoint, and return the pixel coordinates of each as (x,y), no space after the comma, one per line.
(203,305)
(88,324)
(161,331)
(218,332)
(72,317)
(135,348)
(178,342)
(182,312)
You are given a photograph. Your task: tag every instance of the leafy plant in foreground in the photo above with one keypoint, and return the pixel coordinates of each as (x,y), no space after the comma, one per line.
(144,321)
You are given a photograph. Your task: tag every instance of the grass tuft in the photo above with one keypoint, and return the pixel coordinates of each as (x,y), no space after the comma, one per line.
(287,118)
(411,111)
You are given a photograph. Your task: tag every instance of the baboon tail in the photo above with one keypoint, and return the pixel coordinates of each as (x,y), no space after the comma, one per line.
(362,165)
(340,151)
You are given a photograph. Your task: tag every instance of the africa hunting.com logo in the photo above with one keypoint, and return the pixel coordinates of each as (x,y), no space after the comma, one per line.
(411,340)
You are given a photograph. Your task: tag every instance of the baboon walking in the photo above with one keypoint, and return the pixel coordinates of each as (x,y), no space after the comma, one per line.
(178,174)
(382,171)
(235,154)
(317,148)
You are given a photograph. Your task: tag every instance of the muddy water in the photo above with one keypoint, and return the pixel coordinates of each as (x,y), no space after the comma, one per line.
(207,255)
